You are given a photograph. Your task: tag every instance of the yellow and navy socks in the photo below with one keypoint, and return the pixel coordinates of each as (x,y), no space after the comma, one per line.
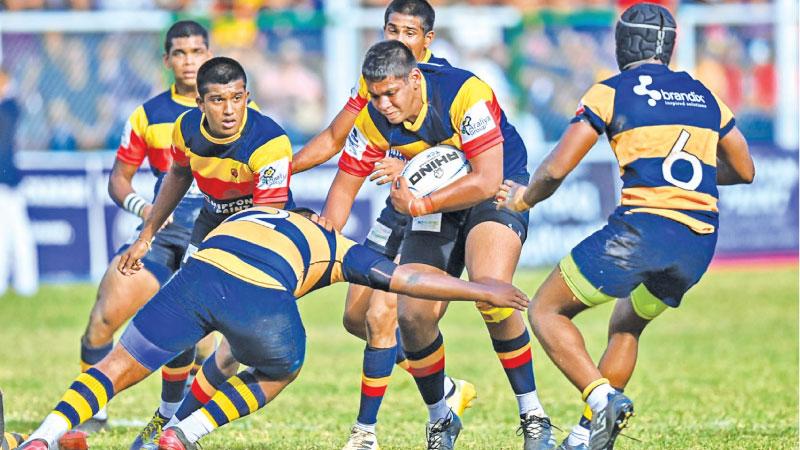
(240,396)
(376,372)
(12,440)
(173,382)
(208,379)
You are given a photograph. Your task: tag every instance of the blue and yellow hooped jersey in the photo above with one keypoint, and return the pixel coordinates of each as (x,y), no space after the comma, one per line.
(663,127)
(458,109)
(279,249)
(252,166)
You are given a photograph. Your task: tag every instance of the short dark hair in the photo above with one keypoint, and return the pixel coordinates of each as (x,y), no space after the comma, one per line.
(387,59)
(416,8)
(184,28)
(219,70)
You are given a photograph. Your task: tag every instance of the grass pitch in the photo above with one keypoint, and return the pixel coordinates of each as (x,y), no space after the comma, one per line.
(720,372)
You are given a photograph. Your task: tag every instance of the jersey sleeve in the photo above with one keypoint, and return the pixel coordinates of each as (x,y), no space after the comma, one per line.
(596,107)
(359,96)
(180,153)
(271,164)
(364,266)
(726,119)
(363,147)
(476,114)
(133,146)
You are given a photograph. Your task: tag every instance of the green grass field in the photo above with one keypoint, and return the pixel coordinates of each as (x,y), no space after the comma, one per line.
(720,372)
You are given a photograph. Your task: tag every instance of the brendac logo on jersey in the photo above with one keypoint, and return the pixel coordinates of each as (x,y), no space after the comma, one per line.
(477,122)
(437,159)
(125,140)
(356,144)
(670,98)
(275,175)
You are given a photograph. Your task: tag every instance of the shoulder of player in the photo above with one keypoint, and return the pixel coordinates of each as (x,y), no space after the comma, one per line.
(157,103)
(262,128)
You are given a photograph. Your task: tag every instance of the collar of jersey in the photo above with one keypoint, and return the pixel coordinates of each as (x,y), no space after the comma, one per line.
(427,56)
(423,112)
(226,140)
(181,99)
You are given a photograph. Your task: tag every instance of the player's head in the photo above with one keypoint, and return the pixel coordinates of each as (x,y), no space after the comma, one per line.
(410,22)
(185,49)
(222,89)
(645,32)
(393,80)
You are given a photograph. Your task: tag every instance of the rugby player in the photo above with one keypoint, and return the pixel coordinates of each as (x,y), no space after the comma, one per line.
(238,158)
(148,135)
(414,107)
(244,281)
(675,142)
(372,315)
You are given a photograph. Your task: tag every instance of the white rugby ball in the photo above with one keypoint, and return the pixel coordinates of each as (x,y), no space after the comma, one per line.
(434,169)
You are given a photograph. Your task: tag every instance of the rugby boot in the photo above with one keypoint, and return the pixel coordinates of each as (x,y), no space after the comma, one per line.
(150,433)
(607,423)
(537,431)
(173,439)
(73,440)
(361,440)
(462,396)
(36,444)
(565,445)
(442,435)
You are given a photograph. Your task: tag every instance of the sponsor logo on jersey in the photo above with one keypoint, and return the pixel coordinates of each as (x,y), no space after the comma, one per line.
(231,206)
(275,175)
(477,122)
(125,140)
(670,98)
(356,144)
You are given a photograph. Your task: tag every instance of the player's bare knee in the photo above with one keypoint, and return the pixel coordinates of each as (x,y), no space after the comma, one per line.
(226,363)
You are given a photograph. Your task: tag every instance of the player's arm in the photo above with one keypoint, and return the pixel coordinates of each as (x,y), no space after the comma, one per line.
(120,189)
(326,144)
(734,163)
(577,140)
(341,196)
(364,266)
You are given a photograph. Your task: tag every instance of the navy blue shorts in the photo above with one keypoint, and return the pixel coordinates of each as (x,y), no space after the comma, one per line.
(439,240)
(386,234)
(166,253)
(636,249)
(262,325)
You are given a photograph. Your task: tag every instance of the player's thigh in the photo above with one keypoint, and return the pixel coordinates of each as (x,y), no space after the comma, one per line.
(120,296)
(176,318)
(264,329)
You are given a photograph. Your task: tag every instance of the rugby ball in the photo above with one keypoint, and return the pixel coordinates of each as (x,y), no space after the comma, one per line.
(434,169)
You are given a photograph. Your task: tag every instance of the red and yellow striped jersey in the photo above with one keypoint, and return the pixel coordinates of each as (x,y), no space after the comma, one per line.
(148,132)
(663,127)
(251,167)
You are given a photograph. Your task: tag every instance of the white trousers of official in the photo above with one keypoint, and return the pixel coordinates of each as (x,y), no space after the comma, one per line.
(18,259)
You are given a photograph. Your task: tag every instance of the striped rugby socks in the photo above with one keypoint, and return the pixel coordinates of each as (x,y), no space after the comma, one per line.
(515,357)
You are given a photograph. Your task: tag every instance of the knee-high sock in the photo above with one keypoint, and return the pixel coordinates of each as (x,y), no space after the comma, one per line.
(173,381)
(376,372)
(92,355)
(515,356)
(204,386)
(240,396)
(90,392)
(427,368)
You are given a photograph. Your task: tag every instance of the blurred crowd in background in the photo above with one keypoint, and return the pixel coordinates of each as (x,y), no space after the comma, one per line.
(77,89)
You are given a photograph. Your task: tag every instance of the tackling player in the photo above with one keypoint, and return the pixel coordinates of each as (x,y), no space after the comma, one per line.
(244,282)
(148,135)
(675,142)
(414,107)
(371,315)
(238,158)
